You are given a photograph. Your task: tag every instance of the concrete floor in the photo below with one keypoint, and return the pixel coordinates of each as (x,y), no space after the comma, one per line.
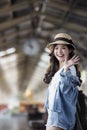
(16,123)
(13,123)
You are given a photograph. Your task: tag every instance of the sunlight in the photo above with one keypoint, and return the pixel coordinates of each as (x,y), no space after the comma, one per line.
(10,73)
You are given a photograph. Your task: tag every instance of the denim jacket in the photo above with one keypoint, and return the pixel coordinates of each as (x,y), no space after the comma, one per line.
(65,98)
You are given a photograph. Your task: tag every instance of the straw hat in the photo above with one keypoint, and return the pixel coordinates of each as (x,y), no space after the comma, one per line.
(61,38)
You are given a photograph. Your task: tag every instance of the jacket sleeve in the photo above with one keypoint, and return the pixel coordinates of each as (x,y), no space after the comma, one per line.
(68,81)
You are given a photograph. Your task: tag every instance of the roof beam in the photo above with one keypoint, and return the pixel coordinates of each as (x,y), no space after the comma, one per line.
(14,22)
(17,6)
(65,7)
(58,22)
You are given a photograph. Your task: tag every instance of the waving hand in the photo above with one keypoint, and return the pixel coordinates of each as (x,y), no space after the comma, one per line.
(73,61)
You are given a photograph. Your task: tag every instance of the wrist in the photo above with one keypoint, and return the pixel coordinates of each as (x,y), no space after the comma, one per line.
(65,68)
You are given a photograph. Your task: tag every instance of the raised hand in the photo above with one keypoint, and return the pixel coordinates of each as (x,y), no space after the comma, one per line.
(73,61)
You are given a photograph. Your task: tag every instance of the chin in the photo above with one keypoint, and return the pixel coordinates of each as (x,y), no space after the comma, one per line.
(61,60)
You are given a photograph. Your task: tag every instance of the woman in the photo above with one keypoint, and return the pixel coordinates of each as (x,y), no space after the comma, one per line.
(63,77)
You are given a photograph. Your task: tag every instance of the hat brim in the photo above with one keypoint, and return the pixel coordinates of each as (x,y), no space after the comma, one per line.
(50,45)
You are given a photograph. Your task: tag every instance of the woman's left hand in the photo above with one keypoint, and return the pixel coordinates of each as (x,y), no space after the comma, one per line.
(73,61)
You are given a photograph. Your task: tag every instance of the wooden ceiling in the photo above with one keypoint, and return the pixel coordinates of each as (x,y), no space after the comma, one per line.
(21,20)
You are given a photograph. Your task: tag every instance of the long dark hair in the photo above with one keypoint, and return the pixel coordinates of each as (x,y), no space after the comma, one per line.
(54,65)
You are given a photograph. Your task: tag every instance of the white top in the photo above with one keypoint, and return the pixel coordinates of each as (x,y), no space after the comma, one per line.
(54,83)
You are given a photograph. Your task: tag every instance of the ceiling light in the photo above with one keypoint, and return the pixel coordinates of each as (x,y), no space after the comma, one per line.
(11,50)
(2,53)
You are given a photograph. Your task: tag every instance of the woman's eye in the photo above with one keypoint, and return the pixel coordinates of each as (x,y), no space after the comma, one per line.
(56,48)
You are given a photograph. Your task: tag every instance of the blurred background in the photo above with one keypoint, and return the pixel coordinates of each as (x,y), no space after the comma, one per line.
(26,27)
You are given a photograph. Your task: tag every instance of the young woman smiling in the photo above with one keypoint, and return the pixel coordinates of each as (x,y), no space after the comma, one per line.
(63,77)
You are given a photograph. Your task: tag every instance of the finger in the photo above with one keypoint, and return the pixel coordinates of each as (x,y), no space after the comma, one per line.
(77,59)
(76,63)
(75,56)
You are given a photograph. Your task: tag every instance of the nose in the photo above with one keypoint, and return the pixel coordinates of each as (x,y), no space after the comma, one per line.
(59,51)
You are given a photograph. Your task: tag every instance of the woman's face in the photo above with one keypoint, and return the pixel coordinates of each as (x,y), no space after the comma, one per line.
(61,52)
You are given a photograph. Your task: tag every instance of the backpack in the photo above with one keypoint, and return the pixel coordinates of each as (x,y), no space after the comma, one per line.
(81,115)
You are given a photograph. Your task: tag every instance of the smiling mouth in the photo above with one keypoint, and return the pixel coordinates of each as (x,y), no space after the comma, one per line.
(60,56)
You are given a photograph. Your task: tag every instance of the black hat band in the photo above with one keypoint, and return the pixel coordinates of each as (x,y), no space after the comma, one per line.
(64,39)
